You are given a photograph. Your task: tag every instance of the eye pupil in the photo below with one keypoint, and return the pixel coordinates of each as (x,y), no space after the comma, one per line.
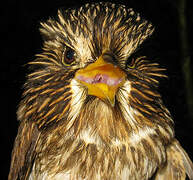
(69,56)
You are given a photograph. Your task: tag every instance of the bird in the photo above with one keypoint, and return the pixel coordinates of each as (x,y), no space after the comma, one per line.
(89,109)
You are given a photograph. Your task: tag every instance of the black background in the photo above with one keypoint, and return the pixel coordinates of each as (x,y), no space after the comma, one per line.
(20,40)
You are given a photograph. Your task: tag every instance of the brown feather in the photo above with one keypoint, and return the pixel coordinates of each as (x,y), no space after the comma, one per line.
(178,164)
(23,153)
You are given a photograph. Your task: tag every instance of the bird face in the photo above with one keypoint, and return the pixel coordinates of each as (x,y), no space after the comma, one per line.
(86,58)
(84,77)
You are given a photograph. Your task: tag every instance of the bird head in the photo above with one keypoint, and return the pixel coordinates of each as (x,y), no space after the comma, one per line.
(85,66)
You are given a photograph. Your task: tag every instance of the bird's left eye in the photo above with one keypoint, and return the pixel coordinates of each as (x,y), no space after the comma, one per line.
(130,65)
(69,56)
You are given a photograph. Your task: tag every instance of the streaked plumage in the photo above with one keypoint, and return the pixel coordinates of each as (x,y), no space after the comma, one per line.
(89,111)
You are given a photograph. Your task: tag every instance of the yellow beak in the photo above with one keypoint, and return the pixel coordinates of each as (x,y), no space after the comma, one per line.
(102,79)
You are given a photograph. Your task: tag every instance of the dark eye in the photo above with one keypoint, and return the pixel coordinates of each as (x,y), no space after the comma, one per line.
(130,65)
(69,56)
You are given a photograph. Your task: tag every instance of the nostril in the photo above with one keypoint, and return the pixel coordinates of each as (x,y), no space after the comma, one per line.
(98,78)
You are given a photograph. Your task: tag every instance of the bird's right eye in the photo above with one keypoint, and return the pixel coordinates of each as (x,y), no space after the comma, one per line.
(68,56)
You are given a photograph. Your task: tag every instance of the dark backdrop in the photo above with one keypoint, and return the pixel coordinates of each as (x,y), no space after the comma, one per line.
(20,40)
